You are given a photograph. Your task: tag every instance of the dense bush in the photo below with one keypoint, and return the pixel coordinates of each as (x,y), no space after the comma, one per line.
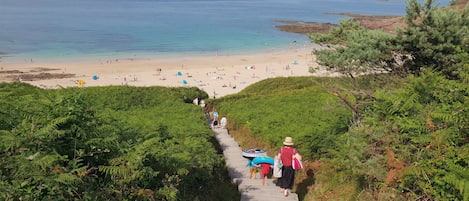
(413,143)
(107,143)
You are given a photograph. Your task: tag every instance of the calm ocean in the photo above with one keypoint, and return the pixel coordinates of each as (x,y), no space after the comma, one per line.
(58,29)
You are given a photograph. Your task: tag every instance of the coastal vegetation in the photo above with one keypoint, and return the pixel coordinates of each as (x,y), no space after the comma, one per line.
(432,38)
(108,143)
(394,128)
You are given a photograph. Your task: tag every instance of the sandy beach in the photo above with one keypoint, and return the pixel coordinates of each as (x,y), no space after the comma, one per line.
(218,74)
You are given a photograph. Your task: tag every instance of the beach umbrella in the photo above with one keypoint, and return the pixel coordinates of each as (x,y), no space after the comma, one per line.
(184,82)
(95,77)
(179,73)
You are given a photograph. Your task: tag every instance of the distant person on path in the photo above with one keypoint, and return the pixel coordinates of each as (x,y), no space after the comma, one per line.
(215,114)
(252,169)
(202,103)
(214,123)
(286,154)
(215,119)
(223,121)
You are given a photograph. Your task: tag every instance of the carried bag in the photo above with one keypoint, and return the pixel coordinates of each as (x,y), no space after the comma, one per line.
(277,172)
(296,163)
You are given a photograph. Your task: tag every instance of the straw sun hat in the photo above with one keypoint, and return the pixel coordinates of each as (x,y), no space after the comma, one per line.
(288,141)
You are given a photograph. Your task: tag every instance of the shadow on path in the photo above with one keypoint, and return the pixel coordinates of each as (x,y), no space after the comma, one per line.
(302,188)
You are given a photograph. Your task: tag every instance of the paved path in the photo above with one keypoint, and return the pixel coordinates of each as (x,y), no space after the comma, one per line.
(251,189)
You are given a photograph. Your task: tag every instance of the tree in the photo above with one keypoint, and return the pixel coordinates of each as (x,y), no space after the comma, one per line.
(434,38)
(355,50)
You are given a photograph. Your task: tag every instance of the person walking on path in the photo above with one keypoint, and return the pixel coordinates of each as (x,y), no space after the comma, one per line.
(252,169)
(223,121)
(215,119)
(215,115)
(265,171)
(286,154)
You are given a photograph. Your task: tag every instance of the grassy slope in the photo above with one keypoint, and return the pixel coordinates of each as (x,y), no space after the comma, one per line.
(314,111)
(140,114)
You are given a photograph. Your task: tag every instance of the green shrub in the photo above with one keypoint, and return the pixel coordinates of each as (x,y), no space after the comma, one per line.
(107,143)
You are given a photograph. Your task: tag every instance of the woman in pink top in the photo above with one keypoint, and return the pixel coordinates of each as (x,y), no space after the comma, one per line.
(286,154)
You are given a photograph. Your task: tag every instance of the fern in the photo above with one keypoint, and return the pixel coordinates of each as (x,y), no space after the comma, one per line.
(120,171)
(46,162)
(10,141)
(459,177)
(67,179)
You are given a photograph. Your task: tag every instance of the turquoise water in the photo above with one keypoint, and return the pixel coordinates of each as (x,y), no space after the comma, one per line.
(57,29)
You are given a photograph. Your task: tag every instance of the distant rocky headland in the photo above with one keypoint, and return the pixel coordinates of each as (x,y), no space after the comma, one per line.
(385,23)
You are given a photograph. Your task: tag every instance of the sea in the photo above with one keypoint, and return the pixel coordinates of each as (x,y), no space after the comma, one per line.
(77,29)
